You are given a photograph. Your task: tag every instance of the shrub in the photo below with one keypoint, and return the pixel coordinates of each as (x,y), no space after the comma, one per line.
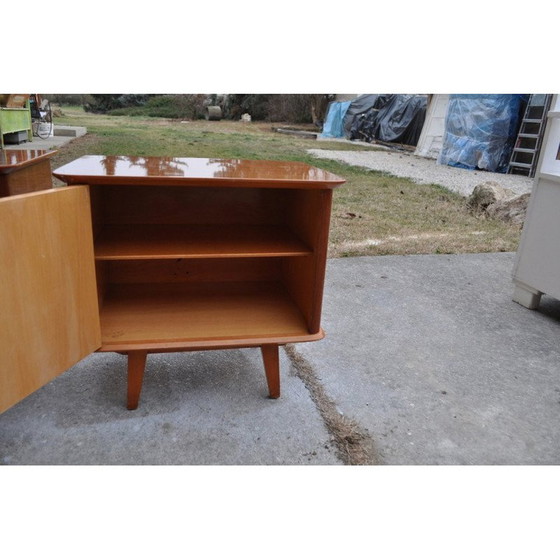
(256,104)
(68,98)
(104,103)
(294,108)
(184,106)
(297,108)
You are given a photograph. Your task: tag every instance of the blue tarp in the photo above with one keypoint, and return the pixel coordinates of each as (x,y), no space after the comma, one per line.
(480,131)
(334,123)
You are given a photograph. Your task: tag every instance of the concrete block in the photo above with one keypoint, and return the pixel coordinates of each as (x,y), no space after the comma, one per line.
(74,131)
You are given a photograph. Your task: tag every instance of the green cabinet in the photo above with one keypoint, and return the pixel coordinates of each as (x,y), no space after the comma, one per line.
(15,120)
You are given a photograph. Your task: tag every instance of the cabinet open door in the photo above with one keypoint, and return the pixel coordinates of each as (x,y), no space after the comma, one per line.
(49,317)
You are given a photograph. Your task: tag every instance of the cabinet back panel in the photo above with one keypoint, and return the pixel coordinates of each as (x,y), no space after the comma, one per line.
(102,278)
(96,210)
(193,270)
(191,205)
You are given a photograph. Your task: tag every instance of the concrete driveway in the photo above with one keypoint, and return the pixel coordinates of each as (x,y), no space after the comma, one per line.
(427,361)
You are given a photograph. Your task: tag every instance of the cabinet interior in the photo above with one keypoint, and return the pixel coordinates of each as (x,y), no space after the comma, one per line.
(180,264)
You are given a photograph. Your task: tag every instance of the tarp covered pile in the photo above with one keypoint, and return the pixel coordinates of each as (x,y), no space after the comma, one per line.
(386,117)
(480,131)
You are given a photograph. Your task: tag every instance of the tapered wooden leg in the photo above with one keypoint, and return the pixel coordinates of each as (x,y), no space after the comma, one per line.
(271,361)
(136,366)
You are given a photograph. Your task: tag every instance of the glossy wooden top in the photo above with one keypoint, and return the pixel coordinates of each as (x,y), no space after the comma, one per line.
(135,170)
(14,159)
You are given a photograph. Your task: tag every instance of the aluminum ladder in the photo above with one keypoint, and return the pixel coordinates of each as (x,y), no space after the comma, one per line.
(525,153)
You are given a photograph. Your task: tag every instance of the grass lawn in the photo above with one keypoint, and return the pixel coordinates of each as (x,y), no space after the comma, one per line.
(373,213)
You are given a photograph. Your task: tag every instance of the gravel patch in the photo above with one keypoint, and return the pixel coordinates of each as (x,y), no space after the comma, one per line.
(426,171)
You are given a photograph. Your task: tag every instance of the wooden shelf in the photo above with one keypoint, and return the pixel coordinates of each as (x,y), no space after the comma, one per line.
(121,242)
(166,315)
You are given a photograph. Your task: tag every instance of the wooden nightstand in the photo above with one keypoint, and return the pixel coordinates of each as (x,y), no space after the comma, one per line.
(155,254)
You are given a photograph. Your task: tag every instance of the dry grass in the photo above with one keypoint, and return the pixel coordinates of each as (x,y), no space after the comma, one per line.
(378,214)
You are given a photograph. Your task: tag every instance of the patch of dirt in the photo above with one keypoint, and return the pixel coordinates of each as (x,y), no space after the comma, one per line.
(353,443)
